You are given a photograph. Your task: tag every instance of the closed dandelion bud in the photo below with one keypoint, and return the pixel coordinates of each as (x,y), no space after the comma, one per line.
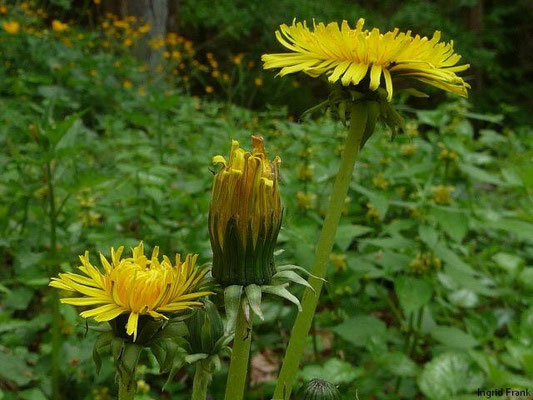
(318,389)
(206,330)
(245,216)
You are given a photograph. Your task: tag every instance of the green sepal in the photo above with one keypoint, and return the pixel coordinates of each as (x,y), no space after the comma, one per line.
(232,299)
(290,267)
(102,345)
(286,276)
(172,330)
(117,346)
(253,295)
(281,291)
(373,108)
(130,357)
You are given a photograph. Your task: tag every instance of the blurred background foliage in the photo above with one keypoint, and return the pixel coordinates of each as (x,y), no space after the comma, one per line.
(111,111)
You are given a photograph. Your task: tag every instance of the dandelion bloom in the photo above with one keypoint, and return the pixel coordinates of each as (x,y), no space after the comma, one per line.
(11,27)
(245,216)
(350,55)
(135,286)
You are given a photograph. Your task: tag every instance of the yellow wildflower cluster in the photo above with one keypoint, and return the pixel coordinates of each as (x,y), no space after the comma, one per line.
(338,261)
(442,194)
(306,201)
(380,181)
(372,213)
(408,149)
(446,154)
(122,32)
(425,262)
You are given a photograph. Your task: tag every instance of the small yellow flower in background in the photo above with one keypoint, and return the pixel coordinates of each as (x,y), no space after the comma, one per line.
(166,54)
(258,81)
(135,285)
(447,154)
(176,55)
(144,28)
(442,194)
(127,42)
(225,77)
(411,129)
(97,2)
(306,173)
(3,10)
(127,84)
(408,149)
(425,262)
(380,181)
(237,59)
(11,27)
(209,89)
(141,92)
(59,26)
(305,200)
(215,74)
(142,386)
(338,261)
(372,212)
(157,43)
(350,55)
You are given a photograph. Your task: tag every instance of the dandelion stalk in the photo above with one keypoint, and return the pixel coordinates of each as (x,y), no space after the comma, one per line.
(56,316)
(202,377)
(239,358)
(126,391)
(359,115)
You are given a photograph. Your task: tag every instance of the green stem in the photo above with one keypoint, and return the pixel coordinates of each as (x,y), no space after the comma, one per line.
(289,370)
(202,377)
(126,391)
(238,367)
(56,316)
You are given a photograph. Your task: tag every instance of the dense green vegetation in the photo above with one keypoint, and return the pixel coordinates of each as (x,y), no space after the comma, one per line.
(430,290)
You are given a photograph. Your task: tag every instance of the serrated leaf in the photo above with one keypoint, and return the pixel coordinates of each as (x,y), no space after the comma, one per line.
(412,293)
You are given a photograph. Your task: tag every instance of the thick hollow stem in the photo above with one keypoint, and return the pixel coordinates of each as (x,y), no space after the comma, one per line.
(238,367)
(289,369)
(202,377)
(126,390)
(56,316)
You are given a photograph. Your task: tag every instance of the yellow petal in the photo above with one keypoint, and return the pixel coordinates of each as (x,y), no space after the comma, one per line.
(388,83)
(375,76)
(131,326)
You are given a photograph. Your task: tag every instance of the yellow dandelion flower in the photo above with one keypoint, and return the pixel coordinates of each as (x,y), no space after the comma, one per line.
(59,26)
(11,27)
(136,286)
(350,55)
(245,215)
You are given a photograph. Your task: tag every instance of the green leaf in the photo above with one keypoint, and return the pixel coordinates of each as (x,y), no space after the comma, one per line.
(398,364)
(509,262)
(14,369)
(448,375)
(428,235)
(359,329)
(346,233)
(412,293)
(453,337)
(481,175)
(334,370)
(454,223)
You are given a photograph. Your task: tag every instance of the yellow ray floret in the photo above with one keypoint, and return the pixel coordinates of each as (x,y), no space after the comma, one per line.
(353,54)
(135,285)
